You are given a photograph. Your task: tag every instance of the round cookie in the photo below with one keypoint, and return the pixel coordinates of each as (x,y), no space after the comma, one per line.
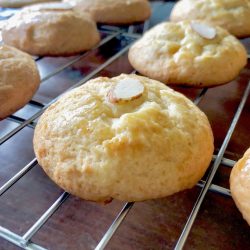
(128,137)
(188,53)
(21,3)
(19,80)
(232,15)
(240,185)
(50,29)
(114,11)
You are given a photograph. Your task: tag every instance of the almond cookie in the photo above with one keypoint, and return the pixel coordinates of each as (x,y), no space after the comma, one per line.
(114,11)
(240,185)
(128,137)
(188,53)
(21,3)
(232,15)
(19,80)
(50,29)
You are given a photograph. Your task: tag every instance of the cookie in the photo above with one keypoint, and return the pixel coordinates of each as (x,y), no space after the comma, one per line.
(232,15)
(53,6)
(240,185)
(114,11)
(51,29)
(128,137)
(19,80)
(188,53)
(21,3)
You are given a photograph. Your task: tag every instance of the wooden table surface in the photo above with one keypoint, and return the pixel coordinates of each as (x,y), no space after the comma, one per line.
(154,224)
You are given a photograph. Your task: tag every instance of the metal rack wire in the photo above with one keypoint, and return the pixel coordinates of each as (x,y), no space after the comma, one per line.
(24,241)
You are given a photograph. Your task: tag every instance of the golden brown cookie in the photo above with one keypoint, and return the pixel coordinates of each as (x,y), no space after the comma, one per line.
(114,11)
(19,80)
(232,15)
(128,137)
(50,29)
(188,53)
(240,185)
(21,3)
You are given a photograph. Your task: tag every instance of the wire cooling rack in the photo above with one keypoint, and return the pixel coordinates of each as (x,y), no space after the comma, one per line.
(113,47)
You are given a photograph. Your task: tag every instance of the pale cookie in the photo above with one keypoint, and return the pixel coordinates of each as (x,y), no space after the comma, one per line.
(21,3)
(114,11)
(51,29)
(188,53)
(104,140)
(19,80)
(233,15)
(54,6)
(240,185)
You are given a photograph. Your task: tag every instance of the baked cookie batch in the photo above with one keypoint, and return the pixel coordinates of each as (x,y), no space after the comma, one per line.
(188,53)
(240,185)
(114,11)
(51,29)
(232,15)
(104,140)
(19,79)
(21,3)
(130,137)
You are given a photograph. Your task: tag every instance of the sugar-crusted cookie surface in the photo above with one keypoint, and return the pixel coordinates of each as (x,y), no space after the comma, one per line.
(232,15)
(176,53)
(114,11)
(21,3)
(150,143)
(19,79)
(50,30)
(240,185)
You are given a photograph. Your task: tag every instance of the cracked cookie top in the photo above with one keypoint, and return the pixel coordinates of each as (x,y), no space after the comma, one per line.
(178,53)
(232,15)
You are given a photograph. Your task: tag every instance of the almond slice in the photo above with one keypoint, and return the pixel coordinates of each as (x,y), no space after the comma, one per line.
(204,30)
(126,90)
(53,6)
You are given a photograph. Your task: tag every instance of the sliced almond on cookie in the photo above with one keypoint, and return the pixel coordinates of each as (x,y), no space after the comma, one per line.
(126,90)
(204,30)
(54,6)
